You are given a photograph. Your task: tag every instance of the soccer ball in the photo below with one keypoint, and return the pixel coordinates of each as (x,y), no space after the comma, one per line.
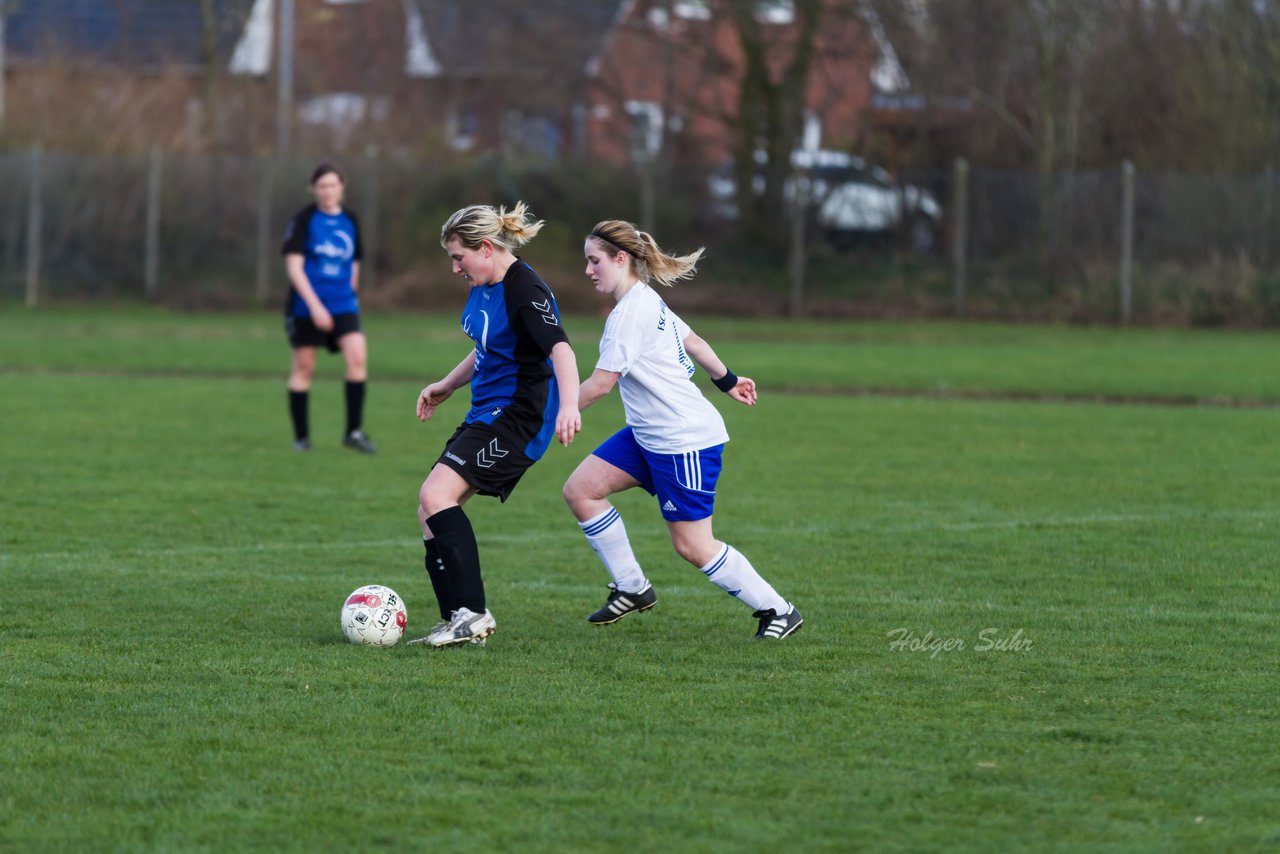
(374,615)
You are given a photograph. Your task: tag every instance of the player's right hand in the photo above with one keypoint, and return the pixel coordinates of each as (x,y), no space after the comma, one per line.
(431,397)
(322,319)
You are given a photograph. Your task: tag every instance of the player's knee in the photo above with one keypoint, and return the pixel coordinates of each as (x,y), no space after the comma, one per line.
(686,548)
(697,550)
(431,502)
(688,553)
(572,492)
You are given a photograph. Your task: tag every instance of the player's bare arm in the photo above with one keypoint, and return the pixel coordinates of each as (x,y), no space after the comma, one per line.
(438,392)
(569,418)
(599,384)
(743,391)
(293,265)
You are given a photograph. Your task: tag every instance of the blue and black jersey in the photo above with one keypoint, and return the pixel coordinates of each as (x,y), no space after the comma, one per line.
(515,324)
(330,246)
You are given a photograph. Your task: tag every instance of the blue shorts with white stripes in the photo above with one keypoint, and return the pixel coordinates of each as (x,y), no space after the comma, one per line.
(685,484)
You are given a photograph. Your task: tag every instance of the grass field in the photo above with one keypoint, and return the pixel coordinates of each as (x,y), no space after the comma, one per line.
(174,677)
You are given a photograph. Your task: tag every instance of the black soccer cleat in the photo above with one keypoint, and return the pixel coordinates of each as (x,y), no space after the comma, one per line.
(776,627)
(619,604)
(302,444)
(357,440)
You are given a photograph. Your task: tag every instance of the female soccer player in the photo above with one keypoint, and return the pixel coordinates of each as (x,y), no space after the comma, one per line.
(322,257)
(672,444)
(524,389)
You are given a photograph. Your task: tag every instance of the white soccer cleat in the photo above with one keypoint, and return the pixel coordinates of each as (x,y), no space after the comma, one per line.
(466,627)
(437,627)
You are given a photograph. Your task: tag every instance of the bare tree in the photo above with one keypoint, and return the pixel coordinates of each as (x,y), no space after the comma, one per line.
(7,8)
(1064,84)
(1232,108)
(212,75)
(770,109)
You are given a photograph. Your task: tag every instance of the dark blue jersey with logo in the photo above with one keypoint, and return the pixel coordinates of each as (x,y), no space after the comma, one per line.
(330,246)
(514,325)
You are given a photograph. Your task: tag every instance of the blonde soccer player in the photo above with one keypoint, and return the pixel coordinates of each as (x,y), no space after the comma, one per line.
(524,391)
(674,438)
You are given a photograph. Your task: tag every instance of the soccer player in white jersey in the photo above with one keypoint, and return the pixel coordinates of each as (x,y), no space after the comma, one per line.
(672,444)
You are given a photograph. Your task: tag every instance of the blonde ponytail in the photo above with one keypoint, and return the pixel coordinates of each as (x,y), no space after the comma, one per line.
(505,229)
(648,260)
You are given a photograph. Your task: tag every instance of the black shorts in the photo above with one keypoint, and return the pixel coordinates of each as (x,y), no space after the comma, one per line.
(302,331)
(491,457)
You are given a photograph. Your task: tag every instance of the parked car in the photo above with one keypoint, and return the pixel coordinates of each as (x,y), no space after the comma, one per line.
(851,201)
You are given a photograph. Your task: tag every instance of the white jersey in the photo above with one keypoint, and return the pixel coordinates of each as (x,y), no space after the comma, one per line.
(644,342)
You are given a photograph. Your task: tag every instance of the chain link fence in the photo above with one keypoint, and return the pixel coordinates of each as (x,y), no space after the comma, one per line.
(205,232)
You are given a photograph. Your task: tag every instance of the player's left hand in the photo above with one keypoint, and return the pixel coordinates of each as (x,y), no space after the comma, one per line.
(568,424)
(744,391)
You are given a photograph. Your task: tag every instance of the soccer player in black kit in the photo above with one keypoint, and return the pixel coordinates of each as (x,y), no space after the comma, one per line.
(524,391)
(322,258)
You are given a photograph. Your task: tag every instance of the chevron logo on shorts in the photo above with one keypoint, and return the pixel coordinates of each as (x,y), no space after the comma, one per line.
(669,507)
(486,457)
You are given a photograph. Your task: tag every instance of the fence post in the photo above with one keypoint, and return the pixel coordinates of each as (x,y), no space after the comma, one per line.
(262,251)
(1126,244)
(151,270)
(960,233)
(1268,214)
(3,63)
(35,213)
(369,231)
(796,253)
(12,243)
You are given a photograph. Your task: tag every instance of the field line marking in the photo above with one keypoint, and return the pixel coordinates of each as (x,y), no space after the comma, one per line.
(1175,401)
(1102,519)
(571,534)
(251,548)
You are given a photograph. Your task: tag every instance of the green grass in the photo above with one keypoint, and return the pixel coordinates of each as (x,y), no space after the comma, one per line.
(938,358)
(172,675)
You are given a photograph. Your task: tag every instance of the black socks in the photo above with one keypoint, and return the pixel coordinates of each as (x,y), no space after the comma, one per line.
(355,409)
(298,412)
(456,545)
(355,405)
(439,579)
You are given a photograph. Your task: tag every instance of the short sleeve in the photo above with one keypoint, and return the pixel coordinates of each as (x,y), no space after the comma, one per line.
(620,345)
(534,314)
(295,233)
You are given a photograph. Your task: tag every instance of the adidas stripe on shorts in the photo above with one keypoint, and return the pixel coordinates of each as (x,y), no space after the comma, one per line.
(685,484)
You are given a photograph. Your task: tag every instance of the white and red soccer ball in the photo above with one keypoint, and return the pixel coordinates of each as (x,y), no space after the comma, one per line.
(374,615)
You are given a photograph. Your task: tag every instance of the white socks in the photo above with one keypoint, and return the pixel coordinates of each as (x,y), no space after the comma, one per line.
(608,536)
(735,575)
(729,570)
